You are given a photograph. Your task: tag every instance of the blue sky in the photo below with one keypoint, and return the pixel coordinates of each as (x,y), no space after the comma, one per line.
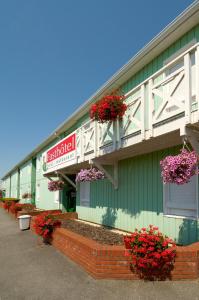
(55,54)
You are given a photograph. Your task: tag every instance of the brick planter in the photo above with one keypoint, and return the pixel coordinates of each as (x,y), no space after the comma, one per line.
(98,260)
(60,216)
(104,261)
(37,212)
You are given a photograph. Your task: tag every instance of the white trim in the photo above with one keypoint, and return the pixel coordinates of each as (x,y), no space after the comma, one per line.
(180,217)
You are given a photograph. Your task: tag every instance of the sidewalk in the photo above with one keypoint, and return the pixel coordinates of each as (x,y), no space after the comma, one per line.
(31,271)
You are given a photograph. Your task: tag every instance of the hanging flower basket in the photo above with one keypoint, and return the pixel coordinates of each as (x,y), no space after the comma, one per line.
(178,169)
(91,174)
(109,108)
(56,185)
(26,196)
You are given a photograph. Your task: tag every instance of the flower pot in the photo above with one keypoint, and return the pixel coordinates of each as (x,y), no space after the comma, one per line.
(24,222)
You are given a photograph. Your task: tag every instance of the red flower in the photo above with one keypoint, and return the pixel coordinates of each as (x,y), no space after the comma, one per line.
(152,252)
(108,108)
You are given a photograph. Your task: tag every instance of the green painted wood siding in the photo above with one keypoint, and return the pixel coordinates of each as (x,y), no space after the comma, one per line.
(7,187)
(44,199)
(25,179)
(138,201)
(14,185)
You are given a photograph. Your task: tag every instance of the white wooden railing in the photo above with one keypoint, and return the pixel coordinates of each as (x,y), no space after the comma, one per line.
(168,97)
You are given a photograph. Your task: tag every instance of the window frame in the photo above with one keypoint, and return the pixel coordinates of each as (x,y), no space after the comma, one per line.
(165,208)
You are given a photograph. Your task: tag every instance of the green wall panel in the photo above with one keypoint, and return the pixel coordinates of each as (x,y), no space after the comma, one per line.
(14,185)
(138,201)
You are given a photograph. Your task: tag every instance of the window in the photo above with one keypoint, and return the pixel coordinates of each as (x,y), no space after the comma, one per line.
(85,193)
(182,200)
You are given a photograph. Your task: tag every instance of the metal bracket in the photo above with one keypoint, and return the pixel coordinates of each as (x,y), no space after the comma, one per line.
(192,134)
(113,179)
(67,179)
(49,177)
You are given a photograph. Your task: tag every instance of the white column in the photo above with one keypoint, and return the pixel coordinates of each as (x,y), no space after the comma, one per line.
(187,67)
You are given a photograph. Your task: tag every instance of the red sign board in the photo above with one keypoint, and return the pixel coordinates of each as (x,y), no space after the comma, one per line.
(66,146)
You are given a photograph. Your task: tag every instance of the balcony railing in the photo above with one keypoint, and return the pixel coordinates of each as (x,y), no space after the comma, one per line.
(164,102)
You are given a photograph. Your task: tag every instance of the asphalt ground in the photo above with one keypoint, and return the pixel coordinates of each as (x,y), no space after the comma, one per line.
(30,270)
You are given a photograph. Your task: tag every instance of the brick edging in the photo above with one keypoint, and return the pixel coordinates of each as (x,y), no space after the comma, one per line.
(105,261)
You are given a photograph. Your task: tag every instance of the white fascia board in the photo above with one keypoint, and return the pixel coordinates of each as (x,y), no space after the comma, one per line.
(181,24)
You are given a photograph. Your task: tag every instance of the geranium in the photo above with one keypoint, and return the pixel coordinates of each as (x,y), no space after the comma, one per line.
(109,108)
(91,174)
(6,205)
(44,225)
(56,185)
(150,261)
(15,207)
(178,169)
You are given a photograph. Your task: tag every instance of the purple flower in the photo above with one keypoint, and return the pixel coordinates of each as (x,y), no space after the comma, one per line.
(179,168)
(91,174)
(56,185)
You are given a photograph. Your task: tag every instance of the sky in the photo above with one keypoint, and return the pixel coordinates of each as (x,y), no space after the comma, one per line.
(54,54)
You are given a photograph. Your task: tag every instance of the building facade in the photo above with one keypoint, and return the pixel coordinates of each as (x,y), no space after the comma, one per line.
(161,86)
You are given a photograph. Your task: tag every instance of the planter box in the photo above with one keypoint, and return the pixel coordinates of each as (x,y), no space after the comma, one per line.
(104,261)
(60,216)
(37,212)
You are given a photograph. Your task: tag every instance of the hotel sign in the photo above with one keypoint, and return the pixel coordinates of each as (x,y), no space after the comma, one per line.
(60,155)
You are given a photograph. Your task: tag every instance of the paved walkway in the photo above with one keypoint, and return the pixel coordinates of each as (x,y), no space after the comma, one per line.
(32,271)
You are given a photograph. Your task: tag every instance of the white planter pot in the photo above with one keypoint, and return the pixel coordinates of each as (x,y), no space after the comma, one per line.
(24,222)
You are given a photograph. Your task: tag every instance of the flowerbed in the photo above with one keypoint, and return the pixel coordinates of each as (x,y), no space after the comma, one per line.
(105,261)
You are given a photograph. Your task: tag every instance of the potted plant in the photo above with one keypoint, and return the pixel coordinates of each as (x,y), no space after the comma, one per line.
(91,174)
(179,168)
(108,108)
(152,253)
(55,185)
(44,225)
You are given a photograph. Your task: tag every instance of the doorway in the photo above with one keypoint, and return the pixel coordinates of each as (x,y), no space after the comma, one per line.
(69,196)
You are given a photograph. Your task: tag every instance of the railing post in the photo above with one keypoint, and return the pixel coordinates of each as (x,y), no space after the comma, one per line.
(96,139)
(150,107)
(197,77)
(82,142)
(187,68)
(143,111)
(115,135)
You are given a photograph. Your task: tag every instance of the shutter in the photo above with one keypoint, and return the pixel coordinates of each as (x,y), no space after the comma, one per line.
(85,193)
(181,200)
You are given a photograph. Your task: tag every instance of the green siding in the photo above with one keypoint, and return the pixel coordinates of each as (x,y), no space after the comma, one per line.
(25,179)
(14,185)
(46,199)
(33,180)
(138,201)
(158,62)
